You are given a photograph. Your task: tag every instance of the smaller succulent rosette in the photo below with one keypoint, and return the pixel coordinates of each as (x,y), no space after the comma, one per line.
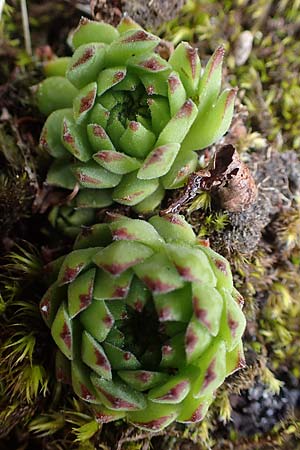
(69,220)
(146,320)
(124,123)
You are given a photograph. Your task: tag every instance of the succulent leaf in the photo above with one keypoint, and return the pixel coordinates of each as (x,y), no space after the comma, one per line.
(50,139)
(89,31)
(194,409)
(86,63)
(94,198)
(91,175)
(57,66)
(81,383)
(186,62)
(62,331)
(94,356)
(173,227)
(64,91)
(117,395)
(154,417)
(84,102)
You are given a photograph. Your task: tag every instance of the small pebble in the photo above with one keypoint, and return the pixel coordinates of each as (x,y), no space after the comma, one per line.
(243,47)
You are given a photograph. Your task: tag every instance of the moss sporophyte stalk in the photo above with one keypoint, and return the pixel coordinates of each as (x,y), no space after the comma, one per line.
(146,320)
(123,123)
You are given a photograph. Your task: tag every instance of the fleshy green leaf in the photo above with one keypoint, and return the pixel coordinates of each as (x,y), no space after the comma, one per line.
(121,255)
(96,235)
(55,93)
(173,227)
(150,203)
(94,198)
(197,340)
(99,328)
(86,63)
(142,380)
(117,395)
(138,295)
(178,127)
(75,140)
(81,382)
(121,359)
(212,366)
(194,409)
(171,392)
(110,287)
(132,191)
(182,167)
(211,123)
(50,139)
(91,31)
(136,230)
(116,162)
(158,161)
(233,321)
(74,263)
(51,301)
(208,306)
(191,264)
(137,140)
(162,281)
(98,138)
(91,175)
(60,174)
(221,268)
(176,93)
(210,82)
(131,43)
(84,102)
(155,417)
(80,292)
(62,331)
(94,356)
(186,62)
(57,66)
(175,305)
(109,78)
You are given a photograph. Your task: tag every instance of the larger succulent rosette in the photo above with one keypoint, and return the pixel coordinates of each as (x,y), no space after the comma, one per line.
(146,319)
(124,122)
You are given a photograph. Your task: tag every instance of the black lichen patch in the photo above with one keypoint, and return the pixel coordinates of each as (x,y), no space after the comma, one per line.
(258,409)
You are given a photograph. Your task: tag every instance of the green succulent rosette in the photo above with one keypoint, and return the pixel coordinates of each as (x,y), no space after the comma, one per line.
(69,220)
(123,122)
(146,320)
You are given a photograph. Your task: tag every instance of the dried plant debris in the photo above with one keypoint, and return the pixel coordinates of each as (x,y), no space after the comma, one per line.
(149,14)
(227,179)
(16,187)
(275,176)
(230,181)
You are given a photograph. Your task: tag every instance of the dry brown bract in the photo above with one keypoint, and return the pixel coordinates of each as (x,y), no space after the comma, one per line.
(227,178)
(230,180)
